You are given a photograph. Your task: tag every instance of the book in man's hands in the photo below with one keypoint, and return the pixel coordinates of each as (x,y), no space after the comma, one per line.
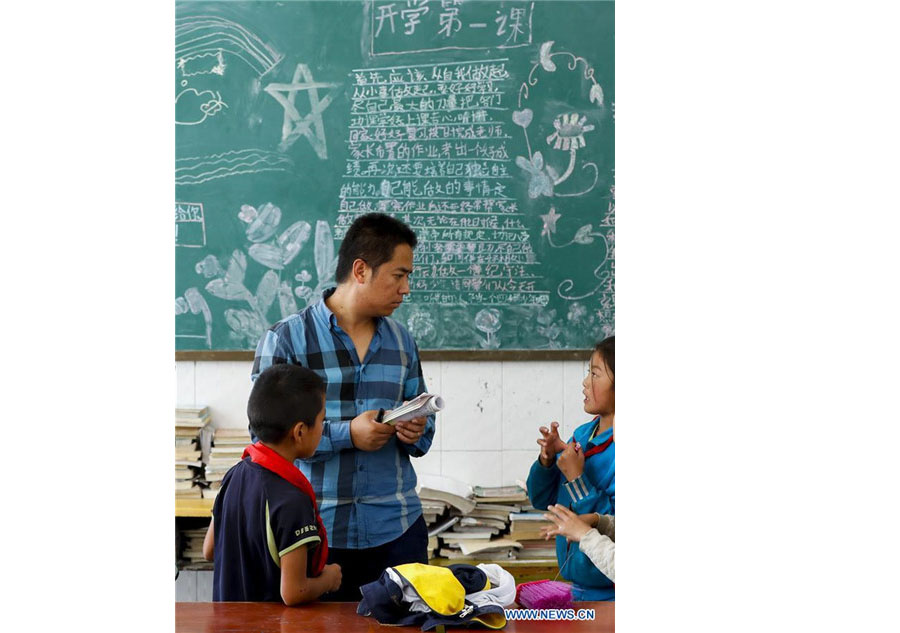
(422,405)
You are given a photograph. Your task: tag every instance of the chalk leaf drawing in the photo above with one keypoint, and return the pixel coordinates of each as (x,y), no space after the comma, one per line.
(545,58)
(539,182)
(246,326)
(325,257)
(275,253)
(286,302)
(285,248)
(193,107)
(267,290)
(262,223)
(309,125)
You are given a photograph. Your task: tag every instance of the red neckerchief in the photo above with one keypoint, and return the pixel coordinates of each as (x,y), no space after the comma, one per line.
(270,460)
(599,448)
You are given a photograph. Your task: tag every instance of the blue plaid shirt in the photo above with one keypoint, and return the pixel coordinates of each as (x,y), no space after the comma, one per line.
(366,498)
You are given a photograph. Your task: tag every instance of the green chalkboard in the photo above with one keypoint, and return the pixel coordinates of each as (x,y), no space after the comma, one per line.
(487,126)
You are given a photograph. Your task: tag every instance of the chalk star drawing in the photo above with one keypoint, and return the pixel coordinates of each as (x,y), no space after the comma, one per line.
(550,222)
(296,124)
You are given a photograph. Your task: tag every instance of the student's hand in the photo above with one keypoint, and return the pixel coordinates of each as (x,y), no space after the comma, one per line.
(367,434)
(332,575)
(571,462)
(569,524)
(551,443)
(410,431)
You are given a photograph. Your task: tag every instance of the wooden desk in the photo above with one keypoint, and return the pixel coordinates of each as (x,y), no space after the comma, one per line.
(322,617)
(193,507)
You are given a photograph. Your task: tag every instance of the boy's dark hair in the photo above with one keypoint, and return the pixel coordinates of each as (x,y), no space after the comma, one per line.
(607,350)
(282,396)
(372,238)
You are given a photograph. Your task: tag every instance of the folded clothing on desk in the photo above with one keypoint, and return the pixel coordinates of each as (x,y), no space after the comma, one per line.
(431,595)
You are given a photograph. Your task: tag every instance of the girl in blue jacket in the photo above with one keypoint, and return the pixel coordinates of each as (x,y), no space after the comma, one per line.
(581,474)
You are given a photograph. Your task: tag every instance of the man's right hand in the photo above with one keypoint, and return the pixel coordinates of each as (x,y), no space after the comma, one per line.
(333,576)
(367,434)
(551,444)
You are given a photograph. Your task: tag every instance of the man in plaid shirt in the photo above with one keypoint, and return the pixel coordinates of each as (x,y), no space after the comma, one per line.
(361,472)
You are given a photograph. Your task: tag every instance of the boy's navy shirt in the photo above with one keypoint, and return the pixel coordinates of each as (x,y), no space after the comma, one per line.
(258,518)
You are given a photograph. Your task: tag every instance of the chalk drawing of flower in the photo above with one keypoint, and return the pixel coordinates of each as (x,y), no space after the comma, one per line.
(539,181)
(548,328)
(577,312)
(421,326)
(488,321)
(570,130)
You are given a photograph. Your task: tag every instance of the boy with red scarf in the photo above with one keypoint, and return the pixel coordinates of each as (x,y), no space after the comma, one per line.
(266,537)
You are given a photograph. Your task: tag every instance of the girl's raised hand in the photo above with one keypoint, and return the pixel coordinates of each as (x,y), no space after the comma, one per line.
(551,444)
(571,462)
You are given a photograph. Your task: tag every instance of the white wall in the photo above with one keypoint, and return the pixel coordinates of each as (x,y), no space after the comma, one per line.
(486,435)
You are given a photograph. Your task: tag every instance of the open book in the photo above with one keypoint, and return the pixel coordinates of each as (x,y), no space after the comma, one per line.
(420,406)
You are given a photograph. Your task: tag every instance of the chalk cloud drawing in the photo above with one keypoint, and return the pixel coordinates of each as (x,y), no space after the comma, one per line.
(195,170)
(199,65)
(193,107)
(570,128)
(201,36)
(309,125)
(192,302)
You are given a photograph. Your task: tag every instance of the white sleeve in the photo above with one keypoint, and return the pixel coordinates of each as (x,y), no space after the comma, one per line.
(602,552)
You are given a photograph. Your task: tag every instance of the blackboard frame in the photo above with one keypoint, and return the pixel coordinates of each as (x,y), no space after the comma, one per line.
(453,354)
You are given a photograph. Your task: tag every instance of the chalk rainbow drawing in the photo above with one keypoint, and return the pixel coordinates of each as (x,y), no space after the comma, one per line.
(203,35)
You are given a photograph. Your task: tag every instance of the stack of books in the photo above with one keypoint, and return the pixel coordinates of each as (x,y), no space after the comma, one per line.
(227,447)
(476,522)
(192,546)
(190,423)
(482,532)
(525,527)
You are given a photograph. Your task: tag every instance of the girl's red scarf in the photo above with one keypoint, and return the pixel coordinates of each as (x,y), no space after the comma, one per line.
(270,460)
(600,447)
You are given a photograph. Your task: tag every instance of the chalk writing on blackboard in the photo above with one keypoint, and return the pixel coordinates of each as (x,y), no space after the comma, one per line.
(417,26)
(190,225)
(427,142)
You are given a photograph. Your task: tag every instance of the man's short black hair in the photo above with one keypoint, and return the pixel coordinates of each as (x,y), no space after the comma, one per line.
(282,396)
(372,238)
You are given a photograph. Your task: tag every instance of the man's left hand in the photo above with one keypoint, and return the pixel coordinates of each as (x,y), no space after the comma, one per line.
(410,431)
